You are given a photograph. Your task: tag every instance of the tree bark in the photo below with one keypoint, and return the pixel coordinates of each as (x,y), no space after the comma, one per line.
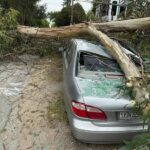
(115,50)
(79,30)
(55,33)
(125,25)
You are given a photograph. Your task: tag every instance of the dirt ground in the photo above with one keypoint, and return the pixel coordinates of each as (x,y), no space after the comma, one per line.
(31,107)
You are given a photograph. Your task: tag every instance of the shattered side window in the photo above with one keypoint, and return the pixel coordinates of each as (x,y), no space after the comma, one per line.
(91,62)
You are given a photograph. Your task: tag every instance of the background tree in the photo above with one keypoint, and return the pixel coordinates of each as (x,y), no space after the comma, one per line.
(79,13)
(138,9)
(63,17)
(90,16)
(29,11)
(66,3)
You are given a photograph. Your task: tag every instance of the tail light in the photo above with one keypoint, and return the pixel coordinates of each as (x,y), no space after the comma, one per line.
(86,111)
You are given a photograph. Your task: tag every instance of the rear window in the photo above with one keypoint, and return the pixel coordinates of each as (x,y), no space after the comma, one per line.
(95,63)
(99,76)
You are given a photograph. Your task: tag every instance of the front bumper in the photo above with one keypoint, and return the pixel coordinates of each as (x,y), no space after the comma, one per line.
(88,132)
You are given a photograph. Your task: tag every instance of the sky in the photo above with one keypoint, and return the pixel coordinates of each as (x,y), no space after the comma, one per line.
(56,5)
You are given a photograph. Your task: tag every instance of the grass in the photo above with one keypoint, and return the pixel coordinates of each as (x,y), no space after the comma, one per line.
(56,111)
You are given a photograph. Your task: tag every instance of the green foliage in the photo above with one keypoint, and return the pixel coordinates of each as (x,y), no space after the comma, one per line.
(56,111)
(140,142)
(8,19)
(63,17)
(29,12)
(90,16)
(138,9)
(79,13)
(53,14)
(145,48)
(8,23)
(66,3)
(40,23)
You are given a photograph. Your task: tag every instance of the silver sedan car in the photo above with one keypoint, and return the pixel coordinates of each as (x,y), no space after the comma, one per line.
(96,102)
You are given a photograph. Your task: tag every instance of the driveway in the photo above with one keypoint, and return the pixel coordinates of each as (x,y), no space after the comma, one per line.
(31,107)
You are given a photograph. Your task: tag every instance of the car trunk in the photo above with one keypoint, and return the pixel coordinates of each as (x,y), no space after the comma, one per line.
(105,91)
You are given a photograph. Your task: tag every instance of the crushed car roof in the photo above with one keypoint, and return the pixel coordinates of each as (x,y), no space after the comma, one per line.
(95,47)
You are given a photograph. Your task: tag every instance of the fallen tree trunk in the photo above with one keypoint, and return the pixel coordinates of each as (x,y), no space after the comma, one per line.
(115,50)
(134,78)
(79,30)
(55,33)
(125,25)
(132,73)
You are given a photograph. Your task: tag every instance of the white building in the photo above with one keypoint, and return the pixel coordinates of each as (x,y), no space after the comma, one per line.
(110,10)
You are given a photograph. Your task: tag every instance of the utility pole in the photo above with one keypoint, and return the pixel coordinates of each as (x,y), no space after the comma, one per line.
(72,3)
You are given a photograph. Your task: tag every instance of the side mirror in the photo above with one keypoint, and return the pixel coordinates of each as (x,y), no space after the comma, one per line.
(62,49)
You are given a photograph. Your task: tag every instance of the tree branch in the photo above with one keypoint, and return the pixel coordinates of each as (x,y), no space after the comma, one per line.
(79,30)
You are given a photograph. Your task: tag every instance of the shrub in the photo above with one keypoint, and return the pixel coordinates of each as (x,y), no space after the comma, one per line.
(8,23)
(63,17)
